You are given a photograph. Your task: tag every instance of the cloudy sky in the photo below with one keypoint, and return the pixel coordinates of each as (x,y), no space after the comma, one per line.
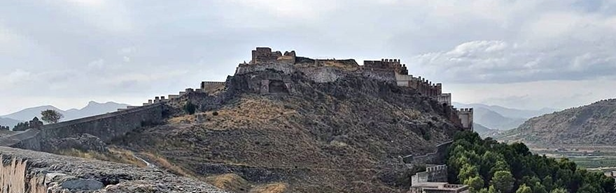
(516,53)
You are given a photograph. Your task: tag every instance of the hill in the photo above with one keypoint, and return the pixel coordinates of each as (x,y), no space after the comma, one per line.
(589,124)
(483,131)
(93,108)
(501,118)
(8,122)
(509,112)
(284,129)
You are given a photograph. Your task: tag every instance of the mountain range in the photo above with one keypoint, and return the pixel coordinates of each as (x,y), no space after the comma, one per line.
(501,118)
(590,124)
(93,108)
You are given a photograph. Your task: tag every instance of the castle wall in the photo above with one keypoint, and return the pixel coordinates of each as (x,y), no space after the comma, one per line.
(105,126)
(382,75)
(444,98)
(435,157)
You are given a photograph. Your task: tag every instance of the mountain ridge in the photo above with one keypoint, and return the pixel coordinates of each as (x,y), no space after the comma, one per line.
(91,109)
(589,124)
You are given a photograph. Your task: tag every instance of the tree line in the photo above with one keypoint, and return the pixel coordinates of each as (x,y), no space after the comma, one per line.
(488,166)
(49,116)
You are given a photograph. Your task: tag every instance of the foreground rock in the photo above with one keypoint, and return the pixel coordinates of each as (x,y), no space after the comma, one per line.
(34,172)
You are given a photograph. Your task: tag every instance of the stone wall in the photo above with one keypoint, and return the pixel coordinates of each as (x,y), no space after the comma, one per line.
(444,98)
(436,157)
(105,126)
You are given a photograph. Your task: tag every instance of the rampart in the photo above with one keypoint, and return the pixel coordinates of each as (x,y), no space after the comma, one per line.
(386,64)
(105,126)
(436,157)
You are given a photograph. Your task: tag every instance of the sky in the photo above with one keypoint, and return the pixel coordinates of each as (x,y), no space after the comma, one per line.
(526,54)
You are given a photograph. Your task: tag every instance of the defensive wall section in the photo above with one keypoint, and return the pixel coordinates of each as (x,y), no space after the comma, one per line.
(105,126)
(435,157)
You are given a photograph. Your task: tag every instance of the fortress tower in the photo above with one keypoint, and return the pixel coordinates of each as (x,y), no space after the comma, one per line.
(263,55)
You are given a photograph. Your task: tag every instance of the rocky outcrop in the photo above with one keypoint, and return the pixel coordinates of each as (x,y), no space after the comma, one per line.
(25,171)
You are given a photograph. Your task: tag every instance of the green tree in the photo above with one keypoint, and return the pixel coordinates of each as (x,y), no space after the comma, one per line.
(491,189)
(524,189)
(190,108)
(559,190)
(51,116)
(21,126)
(468,171)
(474,183)
(503,181)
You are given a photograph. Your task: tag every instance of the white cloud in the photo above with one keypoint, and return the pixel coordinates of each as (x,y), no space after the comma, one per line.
(19,76)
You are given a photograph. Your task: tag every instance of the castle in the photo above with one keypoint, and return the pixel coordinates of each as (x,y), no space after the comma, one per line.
(389,70)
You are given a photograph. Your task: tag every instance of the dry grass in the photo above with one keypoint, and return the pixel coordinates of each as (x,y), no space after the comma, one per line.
(270,188)
(249,112)
(229,182)
(114,155)
(164,163)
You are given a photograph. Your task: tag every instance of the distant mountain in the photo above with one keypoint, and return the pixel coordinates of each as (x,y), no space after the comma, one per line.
(591,124)
(93,108)
(484,131)
(509,112)
(8,122)
(490,117)
(494,120)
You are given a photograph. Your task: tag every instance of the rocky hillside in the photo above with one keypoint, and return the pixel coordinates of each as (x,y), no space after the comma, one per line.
(590,124)
(37,172)
(303,136)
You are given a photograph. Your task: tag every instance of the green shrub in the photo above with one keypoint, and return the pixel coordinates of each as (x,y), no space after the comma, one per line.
(190,108)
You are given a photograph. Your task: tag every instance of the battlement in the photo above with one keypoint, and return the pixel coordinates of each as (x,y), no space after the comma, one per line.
(262,55)
(466,110)
(386,64)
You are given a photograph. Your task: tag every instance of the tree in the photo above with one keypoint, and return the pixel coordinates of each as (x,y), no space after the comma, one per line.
(4,127)
(51,116)
(503,181)
(190,108)
(21,126)
(524,189)
(559,190)
(474,183)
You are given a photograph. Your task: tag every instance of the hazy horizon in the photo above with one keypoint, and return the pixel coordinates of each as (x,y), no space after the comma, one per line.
(516,54)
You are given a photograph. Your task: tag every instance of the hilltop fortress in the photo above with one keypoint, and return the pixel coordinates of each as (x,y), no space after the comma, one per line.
(329,70)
